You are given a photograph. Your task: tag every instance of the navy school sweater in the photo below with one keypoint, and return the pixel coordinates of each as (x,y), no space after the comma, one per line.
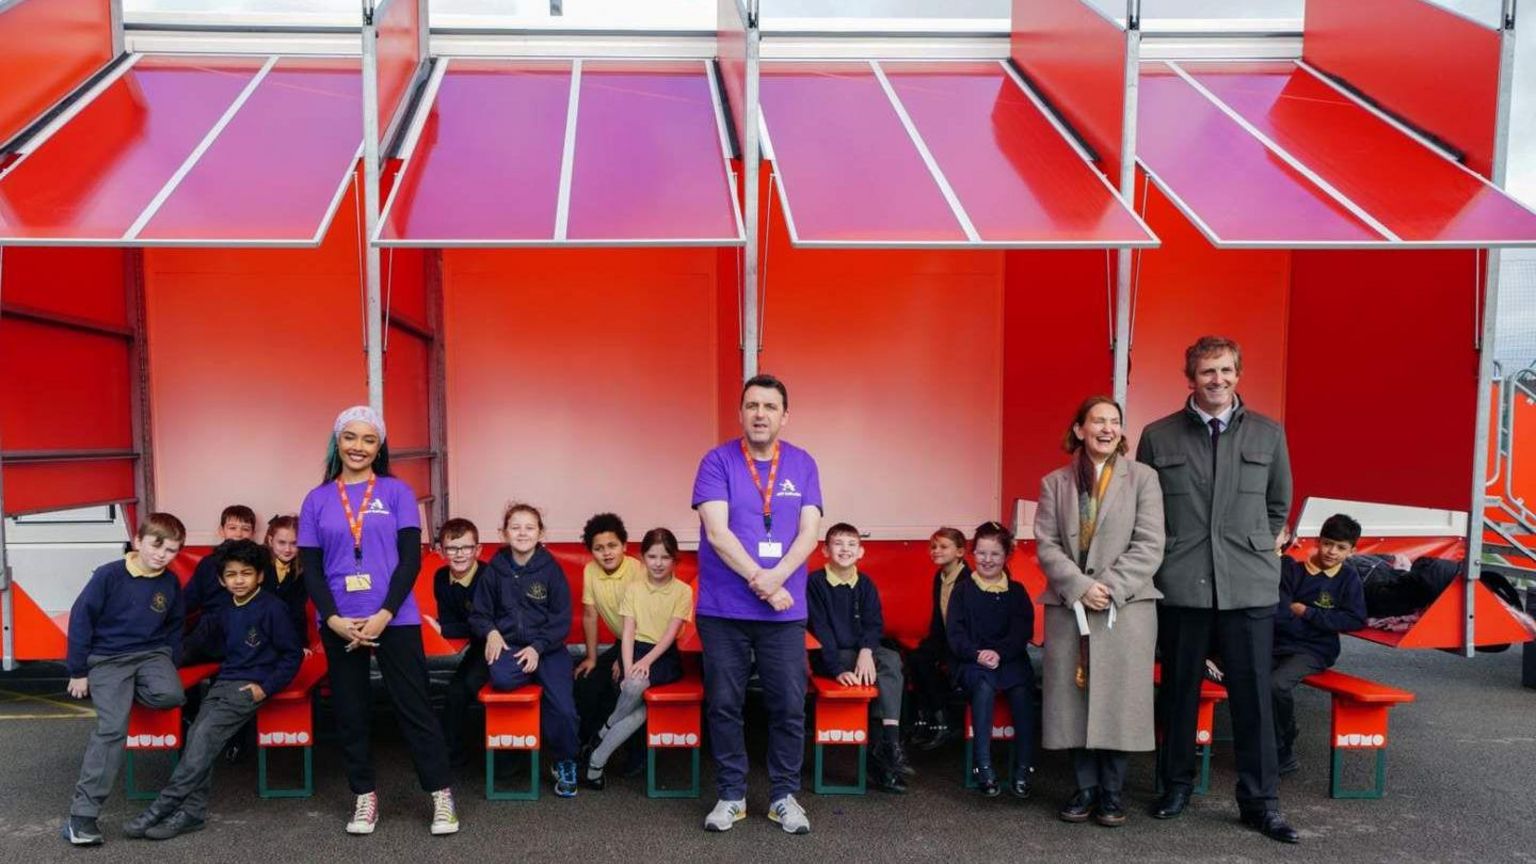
(528,604)
(205,592)
(936,632)
(1334,606)
(983,620)
(260,644)
(292,593)
(118,613)
(455,602)
(843,618)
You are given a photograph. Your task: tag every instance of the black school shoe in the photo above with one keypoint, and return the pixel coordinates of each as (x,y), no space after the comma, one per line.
(81,831)
(986,780)
(1080,806)
(1111,810)
(1020,785)
(1272,825)
(135,828)
(174,825)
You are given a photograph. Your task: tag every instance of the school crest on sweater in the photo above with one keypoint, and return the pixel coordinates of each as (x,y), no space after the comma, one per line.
(253,637)
(538,591)
(158,603)
(1323,601)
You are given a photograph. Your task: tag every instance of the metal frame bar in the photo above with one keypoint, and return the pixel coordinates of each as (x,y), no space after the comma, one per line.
(305,790)
(725,146)
(822,787)
(116,7)
(653,790)
(373,311)
(139,390)
(437,389)
(1125,257)
(7,597)
(932,164)
(529,794)
(752,141)
(568,155)
(75,103)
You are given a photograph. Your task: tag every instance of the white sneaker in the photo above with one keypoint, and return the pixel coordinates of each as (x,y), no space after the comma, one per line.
(365,815)
(445,818)
(725,815)
(790,815)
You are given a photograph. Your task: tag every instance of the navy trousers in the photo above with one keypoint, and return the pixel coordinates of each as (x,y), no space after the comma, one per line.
(731,647)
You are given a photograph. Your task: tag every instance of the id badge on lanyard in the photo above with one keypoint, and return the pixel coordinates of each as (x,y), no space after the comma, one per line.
(767,548)
(358,580)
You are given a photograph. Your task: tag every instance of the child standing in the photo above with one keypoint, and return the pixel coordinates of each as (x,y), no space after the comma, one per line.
(846,618)
(261,654)
(991,621)
(931,662)
(454,587)
(522,609)
(1319,599)
(653,610)
(124,638)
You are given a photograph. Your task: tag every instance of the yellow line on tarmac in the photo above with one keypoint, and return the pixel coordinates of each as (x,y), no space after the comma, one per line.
(47,716)
(75,710)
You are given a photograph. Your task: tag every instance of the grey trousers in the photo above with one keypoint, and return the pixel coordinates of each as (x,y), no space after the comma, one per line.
(225,710)
(116,682)
(888,679)
(1288,672)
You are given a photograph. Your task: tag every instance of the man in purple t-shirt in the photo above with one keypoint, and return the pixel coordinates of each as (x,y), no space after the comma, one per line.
(759,502)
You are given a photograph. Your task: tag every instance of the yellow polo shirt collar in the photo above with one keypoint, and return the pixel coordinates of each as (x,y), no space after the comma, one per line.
(1313,569)
(839,581)
(136,567)
(999,586)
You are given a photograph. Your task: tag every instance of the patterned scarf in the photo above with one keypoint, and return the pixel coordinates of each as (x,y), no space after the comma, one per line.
(1089,496)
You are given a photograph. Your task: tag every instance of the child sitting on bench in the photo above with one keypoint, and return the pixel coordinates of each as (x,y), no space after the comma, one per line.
(1319,599)
(653,609)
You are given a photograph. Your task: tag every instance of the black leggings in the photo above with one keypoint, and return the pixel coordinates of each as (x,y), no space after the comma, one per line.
(403,664)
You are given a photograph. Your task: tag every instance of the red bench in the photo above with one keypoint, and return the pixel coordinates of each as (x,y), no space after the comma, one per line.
(159,729)
(287,719)
(512,723)
(1361,709)
(673,721)
(841,720)
(1211,695)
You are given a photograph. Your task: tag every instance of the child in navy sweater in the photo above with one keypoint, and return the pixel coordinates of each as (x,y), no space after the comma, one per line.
(1319,599)
(522,609)
(124,640)
(454,587)
(204,594)
(261,654)
(991,620)
(846,618)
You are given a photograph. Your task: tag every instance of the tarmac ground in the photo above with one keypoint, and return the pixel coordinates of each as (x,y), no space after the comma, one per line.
(1461,785)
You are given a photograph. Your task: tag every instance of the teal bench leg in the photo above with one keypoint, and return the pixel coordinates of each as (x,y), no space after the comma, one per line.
(1336,784)
(822,787)
(131,788)
(653,790)
(306,790)
(494,794)
(1204,785)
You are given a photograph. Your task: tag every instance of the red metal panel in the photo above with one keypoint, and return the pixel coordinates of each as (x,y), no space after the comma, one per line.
(407,371)
(62,389)
(35,279)
(1422,61)
(545,349)
(94,177)
(900,452)
(47,48)
(1415,192)
(38,487)
(405,285)
(399,47)
(254,353)
(849,168)
(1056,353)
(1522,447)
(1077,58)
(1236,186)
(1016,176)
(648,163)
(304,120)
(1187,288)
(487,167)
(1435,371)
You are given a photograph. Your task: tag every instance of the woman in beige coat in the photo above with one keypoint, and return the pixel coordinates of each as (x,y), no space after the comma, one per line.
(1099,538)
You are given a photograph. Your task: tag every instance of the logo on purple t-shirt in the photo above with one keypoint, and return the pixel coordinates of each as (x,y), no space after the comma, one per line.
(723,476)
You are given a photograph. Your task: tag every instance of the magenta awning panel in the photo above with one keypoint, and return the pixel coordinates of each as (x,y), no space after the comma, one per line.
(566,153)
(931,154)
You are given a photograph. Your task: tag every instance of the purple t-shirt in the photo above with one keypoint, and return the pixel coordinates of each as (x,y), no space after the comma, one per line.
(323,524)
(723,476)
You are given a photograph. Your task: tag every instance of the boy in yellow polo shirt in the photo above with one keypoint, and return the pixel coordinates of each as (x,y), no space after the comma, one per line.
(654,609)
(603,583)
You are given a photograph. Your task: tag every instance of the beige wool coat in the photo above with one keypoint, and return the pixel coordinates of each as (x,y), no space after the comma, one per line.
(1115,711)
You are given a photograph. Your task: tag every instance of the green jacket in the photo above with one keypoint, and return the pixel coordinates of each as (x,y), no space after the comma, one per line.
(1220,532)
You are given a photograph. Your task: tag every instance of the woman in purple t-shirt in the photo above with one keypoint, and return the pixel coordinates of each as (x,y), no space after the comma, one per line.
(360,539)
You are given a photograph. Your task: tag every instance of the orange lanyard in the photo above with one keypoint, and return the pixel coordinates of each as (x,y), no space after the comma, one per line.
(355,524)
(757,481)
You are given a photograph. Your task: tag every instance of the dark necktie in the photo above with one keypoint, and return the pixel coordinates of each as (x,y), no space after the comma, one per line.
(1215,441)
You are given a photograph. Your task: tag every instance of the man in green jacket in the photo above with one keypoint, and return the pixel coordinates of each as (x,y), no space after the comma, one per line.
(1226,480)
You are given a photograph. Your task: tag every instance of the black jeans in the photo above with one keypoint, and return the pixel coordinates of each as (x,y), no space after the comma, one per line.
(403,664)
(463,692)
